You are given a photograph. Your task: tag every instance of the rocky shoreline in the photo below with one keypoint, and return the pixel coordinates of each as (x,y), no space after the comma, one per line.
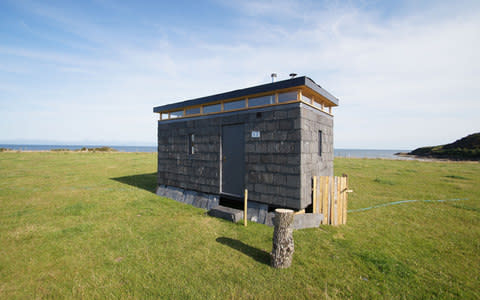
(432,158)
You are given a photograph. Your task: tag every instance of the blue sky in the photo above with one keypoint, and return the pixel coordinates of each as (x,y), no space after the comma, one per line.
(407,73)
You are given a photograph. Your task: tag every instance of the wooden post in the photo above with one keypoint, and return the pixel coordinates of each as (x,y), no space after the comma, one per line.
(319,195)
(342,199)
(314,194)
(245,208)
(332,201)
(325,199)
(339,201)
(283,245)
(346,199)
(300,212)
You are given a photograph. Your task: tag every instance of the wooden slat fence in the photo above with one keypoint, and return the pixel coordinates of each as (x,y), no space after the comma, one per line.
(330,198)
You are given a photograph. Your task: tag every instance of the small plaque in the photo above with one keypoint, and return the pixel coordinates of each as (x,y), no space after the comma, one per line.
(255,134)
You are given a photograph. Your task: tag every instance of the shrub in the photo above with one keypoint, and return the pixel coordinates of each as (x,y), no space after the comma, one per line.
(99,149)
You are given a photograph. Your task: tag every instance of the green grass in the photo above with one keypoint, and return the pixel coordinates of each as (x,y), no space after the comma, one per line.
(88,225)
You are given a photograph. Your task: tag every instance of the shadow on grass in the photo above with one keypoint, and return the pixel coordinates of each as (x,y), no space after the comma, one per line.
(147,182)
(255,253)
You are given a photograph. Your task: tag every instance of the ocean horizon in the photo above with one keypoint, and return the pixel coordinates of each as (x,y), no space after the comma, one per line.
(338,152)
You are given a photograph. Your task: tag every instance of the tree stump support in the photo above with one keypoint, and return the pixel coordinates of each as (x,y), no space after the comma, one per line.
(283,246)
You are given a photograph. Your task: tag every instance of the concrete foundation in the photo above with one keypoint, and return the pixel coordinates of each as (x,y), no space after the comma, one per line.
(302,221)
(197,199)
(257,212)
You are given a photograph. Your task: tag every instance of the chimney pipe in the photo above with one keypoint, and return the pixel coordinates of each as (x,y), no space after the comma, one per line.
(274,75)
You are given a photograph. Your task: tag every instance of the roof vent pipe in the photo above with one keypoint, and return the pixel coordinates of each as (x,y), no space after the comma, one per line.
(292,75)
(274,75)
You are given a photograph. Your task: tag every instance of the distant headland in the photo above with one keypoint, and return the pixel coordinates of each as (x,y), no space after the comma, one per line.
(467,148)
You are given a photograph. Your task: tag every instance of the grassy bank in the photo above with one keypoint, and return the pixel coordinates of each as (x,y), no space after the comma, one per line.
(87,225)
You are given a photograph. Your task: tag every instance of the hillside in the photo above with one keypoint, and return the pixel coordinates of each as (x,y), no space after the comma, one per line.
(467,148)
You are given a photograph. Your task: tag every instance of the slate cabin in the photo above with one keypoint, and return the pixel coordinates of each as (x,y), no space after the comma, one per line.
(270,139)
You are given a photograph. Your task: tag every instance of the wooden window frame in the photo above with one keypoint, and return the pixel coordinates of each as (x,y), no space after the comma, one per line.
(300,90)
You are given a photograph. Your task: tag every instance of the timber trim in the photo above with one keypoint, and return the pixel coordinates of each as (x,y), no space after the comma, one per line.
(315,97)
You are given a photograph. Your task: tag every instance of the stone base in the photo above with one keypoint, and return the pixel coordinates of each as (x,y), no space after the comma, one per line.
(257,212)
(302,221)
(226,213)
(200,200)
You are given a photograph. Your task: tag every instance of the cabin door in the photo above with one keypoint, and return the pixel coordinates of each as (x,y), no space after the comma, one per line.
(233,160)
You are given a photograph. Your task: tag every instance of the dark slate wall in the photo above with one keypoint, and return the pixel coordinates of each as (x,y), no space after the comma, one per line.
(273,160)
(176,167)
(314,164)
(276,168)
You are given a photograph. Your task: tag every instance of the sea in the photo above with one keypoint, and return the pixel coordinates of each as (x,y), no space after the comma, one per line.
(353,153)
(371,153)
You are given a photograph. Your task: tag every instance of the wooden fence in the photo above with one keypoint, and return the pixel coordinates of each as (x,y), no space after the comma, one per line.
(330,198)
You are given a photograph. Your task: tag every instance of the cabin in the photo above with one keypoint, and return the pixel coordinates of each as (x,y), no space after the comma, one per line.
(269,139)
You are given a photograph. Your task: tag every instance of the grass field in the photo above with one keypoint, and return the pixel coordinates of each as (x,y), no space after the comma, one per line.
(88,225)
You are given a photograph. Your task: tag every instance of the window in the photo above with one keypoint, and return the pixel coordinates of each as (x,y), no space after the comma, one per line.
(317,105)
(192,111)
(306,99)
(264,100)
(191,144)
(164,116)
(212,108)
(288,96)
(320,143)
(176,114)
(234,105)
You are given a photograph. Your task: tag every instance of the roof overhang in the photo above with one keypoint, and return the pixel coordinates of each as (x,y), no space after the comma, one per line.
(264,88)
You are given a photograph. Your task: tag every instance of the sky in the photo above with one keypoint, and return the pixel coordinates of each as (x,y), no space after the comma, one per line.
(406,73)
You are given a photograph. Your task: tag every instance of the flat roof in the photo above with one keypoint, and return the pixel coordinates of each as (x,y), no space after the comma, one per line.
(269,87)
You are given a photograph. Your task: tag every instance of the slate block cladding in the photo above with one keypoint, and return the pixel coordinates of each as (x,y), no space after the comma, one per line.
(314,163)
(279,164)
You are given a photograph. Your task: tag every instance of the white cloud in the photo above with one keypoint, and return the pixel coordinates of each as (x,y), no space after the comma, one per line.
(403,81)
